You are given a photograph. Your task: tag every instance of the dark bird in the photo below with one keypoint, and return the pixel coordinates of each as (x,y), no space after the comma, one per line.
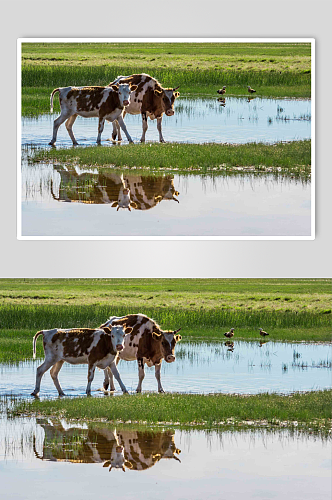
(250,90)
(229,334)
(262,333)
(222,91)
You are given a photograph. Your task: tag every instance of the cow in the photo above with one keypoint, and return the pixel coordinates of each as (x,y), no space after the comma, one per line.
(117,449)
(102,102)
(93,188)
(147,343)
(149,99)
(95,347)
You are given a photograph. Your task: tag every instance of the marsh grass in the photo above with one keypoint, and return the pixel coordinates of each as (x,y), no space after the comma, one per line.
(293,156)
(277,70)
(208,410)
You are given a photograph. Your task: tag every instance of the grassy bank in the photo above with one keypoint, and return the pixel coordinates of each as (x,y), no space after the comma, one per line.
(291,310)
(286,157)
(175,409)
(275,70)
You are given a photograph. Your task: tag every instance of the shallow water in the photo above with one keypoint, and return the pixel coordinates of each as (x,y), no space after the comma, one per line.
(243,368)
(67,201)
(196,121)
(44,457)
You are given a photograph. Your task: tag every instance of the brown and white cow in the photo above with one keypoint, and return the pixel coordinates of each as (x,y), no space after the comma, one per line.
(95,347)
(124,449)
(102,102)
(149,99)
(92,188)
(147,343)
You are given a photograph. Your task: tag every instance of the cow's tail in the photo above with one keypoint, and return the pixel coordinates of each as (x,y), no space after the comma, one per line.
(51,99)
(34,342)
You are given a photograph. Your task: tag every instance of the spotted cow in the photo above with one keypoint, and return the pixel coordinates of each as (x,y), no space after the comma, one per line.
(123,449)
(121,191)
(149,99)
(102,102)
(147,343)
(95,347)
(93,188)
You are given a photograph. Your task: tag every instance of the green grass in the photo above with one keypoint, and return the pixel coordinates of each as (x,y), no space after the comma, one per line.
(275,70)
(291,309)
(192,409)
(289,157)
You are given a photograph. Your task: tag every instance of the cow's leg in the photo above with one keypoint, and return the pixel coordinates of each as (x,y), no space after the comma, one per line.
(91,374)
(62,118)
(141,374)
(100,129)
(157,374)
(144,125)
(124,128)
(115,130)
(69,126)
(116,374)
(54,374)
(108,379)
(159,121)
(40,372)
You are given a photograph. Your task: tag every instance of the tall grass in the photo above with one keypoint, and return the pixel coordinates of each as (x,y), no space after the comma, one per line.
(55,316)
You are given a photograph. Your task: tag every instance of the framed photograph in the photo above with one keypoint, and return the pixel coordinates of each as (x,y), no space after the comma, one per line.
(183,139)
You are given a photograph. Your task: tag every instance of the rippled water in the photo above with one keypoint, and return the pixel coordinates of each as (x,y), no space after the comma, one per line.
(45,458)
(66,201)
(195,120)
(244,368)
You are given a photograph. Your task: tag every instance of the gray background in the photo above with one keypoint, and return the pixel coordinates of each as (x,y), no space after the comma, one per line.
(166,258)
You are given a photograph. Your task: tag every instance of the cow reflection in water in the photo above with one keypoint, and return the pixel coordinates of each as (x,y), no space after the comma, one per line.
(123,449)
(127,192)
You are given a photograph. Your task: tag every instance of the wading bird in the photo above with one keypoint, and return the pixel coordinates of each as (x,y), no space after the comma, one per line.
(262,333)
(222,91)
(250,90)
(229,334)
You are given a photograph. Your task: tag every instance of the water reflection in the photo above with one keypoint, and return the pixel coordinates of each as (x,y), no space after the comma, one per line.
(125,449)
(125,191)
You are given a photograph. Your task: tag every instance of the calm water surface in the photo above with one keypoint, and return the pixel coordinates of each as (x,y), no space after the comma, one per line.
(40,458)
(196,121)
(69,201)
(244,368)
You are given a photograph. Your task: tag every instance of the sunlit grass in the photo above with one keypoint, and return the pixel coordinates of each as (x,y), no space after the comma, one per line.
(192,409)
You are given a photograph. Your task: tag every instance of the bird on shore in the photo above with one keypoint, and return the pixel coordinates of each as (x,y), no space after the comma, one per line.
(229,334)
(262,333)
(250,90)
(222,91)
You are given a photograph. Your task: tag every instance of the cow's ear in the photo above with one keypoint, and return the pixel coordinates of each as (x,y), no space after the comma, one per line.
(178,338)
(133,87)
(107,463)
(133,204)
(115,87)
(107,329)
(115,204)
(128,464)
(176,94)
(128,329)
(156,336)
(158,92)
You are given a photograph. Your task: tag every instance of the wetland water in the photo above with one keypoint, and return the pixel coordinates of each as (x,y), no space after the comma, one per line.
(195,120)
(63,201)
(51,456)
(257,463)
(243,368)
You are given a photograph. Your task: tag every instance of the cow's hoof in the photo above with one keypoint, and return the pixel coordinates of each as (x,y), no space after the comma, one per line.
(51,143)
(126,392)
(35,394)
(162,141)
(61,394)
(75,144)
(162,391)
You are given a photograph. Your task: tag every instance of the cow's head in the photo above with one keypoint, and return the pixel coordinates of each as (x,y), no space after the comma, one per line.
(117,334)
(118,460)
(167,97)
(123,90)
(124,200)
(168,339)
